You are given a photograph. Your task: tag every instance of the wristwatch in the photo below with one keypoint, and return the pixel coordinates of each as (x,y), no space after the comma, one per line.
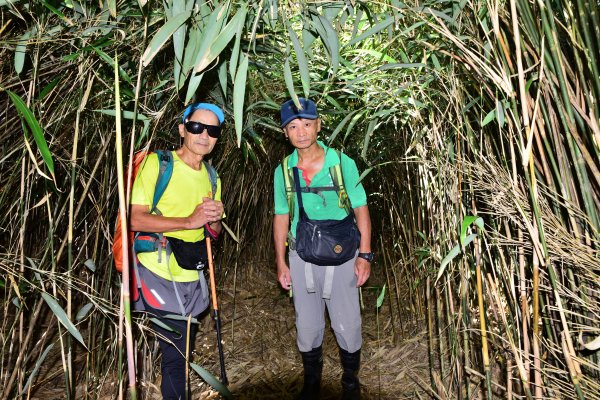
(367,256)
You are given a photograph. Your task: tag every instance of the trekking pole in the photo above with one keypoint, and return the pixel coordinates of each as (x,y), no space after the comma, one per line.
(213,292)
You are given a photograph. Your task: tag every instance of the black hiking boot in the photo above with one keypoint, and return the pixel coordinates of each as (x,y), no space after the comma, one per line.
(350,383)
(313,368)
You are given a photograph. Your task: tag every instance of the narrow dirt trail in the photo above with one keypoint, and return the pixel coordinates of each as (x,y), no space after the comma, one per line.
(263,362)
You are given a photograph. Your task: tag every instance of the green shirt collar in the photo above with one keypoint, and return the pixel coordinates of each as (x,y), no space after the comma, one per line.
(331,157)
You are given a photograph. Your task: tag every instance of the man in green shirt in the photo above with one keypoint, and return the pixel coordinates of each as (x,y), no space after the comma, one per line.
(319,287)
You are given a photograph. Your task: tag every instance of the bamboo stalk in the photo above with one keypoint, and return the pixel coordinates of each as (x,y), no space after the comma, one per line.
(125,297)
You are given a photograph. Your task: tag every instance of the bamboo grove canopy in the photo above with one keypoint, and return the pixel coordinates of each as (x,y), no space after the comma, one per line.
(476,125)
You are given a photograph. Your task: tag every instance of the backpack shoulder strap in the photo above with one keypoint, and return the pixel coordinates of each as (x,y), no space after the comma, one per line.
(288,181)
(213,176)
(165,172)
(338,181)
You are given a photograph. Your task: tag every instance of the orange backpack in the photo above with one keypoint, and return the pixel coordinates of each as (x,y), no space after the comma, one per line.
(117,247)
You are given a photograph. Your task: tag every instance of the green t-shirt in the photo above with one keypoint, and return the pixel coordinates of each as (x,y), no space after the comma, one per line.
(185,191)
(325,205)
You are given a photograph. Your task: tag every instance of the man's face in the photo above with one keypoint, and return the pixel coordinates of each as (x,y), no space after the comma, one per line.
(200,144)
(302,133)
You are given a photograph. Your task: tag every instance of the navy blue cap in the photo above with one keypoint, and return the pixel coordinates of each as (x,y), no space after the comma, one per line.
(203,106)
(289,111)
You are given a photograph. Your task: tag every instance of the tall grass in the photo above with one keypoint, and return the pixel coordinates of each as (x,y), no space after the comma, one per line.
(454,109)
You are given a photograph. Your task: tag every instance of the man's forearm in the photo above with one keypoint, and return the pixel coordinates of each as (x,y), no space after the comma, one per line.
(280,231)
(363,222)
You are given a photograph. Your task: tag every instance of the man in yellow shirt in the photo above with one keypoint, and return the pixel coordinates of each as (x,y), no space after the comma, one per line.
(187,209)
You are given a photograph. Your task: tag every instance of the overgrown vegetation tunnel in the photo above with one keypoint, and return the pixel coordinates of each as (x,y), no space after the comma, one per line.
(476,128)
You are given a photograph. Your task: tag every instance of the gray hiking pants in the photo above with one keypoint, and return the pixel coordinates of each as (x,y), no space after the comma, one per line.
(342,303)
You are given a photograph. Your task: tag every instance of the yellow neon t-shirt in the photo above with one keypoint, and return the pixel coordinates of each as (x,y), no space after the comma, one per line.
(185,191)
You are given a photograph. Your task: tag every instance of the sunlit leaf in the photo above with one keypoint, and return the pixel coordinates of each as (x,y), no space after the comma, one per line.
(449,257)
(112,7)
(163,34)
(239,94)
(224,37)
(302,63)
(489,118)
(467,221)
(289,81)
(381,296)
(371,31)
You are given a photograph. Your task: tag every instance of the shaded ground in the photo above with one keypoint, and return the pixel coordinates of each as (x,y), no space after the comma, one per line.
(262,360)
(261,357)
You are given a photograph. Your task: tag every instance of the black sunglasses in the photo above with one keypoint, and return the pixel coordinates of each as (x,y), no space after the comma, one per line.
(197,128)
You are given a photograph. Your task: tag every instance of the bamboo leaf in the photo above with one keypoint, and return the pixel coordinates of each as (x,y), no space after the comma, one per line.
(110,61)
(212,381)
(340,126)
(21,50)
(452,254)
(401,66)
(289,81)
(370,129)
(239,93)
(163,34)
(62,317)
(112,7)
(500,113)
(235,53)
(381,297)
(178,42)
(84,311)
(125,114)
(6,2)
(593,345)
(35,129)
(467,221)
(489,118)
(193,84)
(302,63)
(89,263)
(223,78)
(36,368)
(371,31)
(228,229)
(224,37)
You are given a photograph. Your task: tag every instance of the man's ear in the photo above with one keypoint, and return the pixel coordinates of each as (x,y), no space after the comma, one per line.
(181,129)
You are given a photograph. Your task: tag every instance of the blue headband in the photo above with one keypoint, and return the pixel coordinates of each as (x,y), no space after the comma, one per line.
(203,106)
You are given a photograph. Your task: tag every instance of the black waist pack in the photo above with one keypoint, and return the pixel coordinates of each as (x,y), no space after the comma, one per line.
(325,242)
(189,255)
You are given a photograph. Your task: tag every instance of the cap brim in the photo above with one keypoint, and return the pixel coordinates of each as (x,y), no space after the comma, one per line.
(296,116)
